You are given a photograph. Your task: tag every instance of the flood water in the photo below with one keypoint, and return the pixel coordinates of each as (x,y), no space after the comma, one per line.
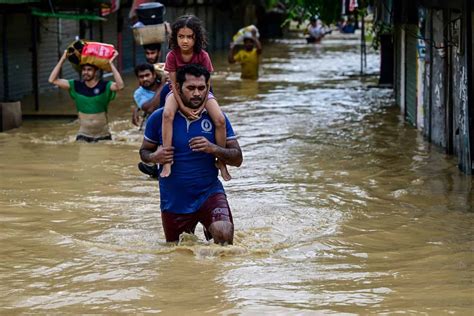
(339,207)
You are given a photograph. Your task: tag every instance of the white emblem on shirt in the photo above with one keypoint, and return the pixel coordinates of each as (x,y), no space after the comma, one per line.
(96,91)
(206,125)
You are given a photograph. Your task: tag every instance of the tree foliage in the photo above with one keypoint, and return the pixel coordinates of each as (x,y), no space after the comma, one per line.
(328,11)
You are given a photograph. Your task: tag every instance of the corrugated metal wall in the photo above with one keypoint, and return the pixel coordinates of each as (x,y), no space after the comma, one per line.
(127,42)
(19,55)
(68,30)
(54,36)
(109,29)
(48,51)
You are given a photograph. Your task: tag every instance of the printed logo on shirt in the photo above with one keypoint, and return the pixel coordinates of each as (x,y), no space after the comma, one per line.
(206,125)
(96,91)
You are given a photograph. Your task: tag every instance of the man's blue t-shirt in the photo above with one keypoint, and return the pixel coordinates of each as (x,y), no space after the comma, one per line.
(142,95)
(193,174)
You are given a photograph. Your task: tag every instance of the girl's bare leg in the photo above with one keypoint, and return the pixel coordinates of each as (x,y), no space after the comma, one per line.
(171,106)
(221,138)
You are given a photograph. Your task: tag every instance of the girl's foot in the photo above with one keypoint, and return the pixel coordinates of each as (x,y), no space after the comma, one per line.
(166,171)
(224,172)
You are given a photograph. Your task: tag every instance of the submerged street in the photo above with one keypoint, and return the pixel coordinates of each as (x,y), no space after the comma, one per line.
(339,207)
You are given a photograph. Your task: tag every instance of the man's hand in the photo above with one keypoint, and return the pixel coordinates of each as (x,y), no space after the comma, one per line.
(163,155)
(64,56)
(54,76)
(111,60)
(136,116)
(201,144)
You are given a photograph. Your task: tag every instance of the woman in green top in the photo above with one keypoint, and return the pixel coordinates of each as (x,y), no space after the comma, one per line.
(91,96)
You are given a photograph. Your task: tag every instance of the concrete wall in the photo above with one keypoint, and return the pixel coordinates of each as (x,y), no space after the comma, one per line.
(442,81)
(438,88)
(459,85)
(427,78)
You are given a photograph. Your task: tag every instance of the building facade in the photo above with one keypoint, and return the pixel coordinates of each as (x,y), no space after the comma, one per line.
(34,35)
(433,53)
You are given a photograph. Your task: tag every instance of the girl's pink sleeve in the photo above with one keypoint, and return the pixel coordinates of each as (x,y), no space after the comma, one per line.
(206,61)
(170,63)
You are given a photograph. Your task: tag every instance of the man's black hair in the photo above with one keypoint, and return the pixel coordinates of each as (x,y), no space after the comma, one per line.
(155,46)
(90,65)
(192,69)
(143,67)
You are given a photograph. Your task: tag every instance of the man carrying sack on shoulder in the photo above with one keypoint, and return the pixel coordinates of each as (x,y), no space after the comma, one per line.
(91,96)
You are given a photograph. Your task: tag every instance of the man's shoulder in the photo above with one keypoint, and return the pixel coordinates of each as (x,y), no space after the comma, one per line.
(156,116)
(138,90)
(205,115)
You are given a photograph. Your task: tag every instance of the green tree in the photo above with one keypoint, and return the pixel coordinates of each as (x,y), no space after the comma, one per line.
(328,11)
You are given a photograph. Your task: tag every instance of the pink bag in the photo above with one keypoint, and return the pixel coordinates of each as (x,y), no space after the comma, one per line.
(97,54)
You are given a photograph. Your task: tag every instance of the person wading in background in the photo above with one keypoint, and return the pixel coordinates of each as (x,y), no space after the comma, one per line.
(91,96)
(248,56)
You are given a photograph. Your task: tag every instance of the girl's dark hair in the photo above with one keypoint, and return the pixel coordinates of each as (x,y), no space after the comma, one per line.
(192,22)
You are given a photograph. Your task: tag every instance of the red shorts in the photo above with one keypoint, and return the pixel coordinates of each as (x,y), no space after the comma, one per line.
(214,209)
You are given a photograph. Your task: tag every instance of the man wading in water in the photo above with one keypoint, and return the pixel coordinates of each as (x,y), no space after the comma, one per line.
(92,97)
(192,193)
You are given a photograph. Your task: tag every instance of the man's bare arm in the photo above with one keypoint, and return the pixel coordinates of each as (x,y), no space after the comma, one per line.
(152,153)
(54,76)
(152,104)
(118,84)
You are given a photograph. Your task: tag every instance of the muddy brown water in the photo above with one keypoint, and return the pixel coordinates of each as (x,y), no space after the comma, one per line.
(340,207)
